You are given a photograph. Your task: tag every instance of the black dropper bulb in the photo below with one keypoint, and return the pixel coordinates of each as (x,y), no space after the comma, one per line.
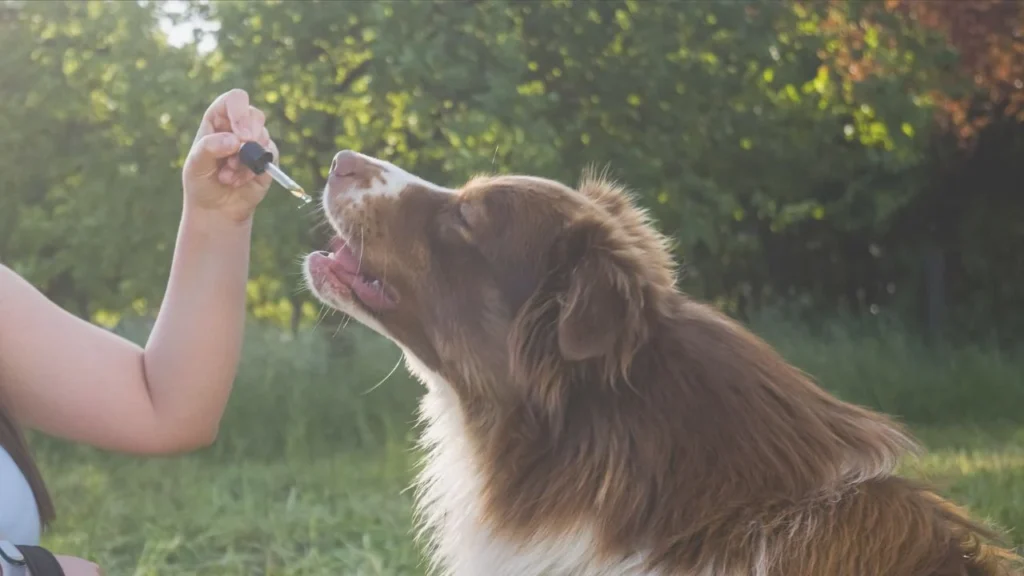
(261,160)
(255,157)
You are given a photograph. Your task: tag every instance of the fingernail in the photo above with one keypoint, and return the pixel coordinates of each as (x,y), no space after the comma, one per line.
(231,141)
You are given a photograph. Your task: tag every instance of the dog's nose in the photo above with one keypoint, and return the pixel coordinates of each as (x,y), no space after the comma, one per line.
(350,165)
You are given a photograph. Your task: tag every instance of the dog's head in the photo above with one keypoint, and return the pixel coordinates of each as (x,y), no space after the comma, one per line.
(494,282)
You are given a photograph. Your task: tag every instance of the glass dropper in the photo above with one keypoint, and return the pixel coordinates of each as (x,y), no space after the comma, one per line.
(260,160)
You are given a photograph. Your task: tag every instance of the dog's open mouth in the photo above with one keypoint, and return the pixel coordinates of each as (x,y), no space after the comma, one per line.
(341,273)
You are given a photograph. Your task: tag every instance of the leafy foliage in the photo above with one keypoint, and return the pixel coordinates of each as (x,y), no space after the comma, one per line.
(796,151)
(980,74)
(98,115)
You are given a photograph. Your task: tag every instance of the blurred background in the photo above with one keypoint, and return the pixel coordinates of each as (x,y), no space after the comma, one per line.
(844,177)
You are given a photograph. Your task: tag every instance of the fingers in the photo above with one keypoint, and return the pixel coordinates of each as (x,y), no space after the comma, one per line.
(209,153)
(215,147)
(227,175)
(230,109)
(234,104)
(231,114)
(256,120)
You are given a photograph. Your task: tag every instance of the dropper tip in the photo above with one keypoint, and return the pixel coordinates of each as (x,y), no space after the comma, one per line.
(301,195)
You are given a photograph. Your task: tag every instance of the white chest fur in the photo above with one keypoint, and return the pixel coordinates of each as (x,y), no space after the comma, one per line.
(449,508)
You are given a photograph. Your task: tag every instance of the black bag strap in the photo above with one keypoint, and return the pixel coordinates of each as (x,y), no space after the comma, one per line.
(40,561)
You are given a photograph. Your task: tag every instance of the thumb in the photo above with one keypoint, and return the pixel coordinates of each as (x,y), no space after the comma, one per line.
(208,150)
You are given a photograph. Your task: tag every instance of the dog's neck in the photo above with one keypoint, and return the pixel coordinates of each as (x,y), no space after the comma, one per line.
(451,515)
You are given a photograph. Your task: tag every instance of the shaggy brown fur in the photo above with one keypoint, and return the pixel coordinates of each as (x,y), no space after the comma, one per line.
(594,393)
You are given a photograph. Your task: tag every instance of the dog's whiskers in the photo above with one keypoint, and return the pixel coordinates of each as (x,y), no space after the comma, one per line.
(341,326)
(385,379)
(320,316)
(359,265)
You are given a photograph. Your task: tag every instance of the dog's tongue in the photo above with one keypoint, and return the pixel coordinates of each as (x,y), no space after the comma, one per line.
(346,266)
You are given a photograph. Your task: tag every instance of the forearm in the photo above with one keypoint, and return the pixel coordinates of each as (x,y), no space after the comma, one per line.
(191,358)
(70,378)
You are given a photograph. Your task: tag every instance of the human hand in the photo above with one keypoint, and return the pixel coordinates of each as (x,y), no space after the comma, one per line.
(73,566)
(215,180)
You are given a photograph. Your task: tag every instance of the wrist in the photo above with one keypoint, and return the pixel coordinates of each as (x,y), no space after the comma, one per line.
(215,222)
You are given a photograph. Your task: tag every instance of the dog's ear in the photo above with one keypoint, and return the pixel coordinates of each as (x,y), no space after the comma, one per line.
(586,314)
(596,286)
(599,305)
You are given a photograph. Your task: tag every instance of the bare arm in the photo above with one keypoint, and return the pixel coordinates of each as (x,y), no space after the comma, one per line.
(69,378)
(72,379)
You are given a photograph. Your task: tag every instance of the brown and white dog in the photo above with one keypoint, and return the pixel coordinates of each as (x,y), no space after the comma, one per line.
(583,417)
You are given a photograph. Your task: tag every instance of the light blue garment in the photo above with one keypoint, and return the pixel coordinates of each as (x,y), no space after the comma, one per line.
(19,515)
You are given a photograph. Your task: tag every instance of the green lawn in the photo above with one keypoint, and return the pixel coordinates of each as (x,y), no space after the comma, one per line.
(310,472)
(348,513)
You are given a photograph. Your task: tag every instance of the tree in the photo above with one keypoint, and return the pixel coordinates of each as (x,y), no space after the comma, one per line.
(789,148)
(959,225)
(98,114)
(977,47)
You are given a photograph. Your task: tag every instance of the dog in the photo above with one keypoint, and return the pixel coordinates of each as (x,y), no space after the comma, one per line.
(584,417)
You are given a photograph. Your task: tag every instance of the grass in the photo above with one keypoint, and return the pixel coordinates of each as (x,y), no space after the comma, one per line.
(310,472)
